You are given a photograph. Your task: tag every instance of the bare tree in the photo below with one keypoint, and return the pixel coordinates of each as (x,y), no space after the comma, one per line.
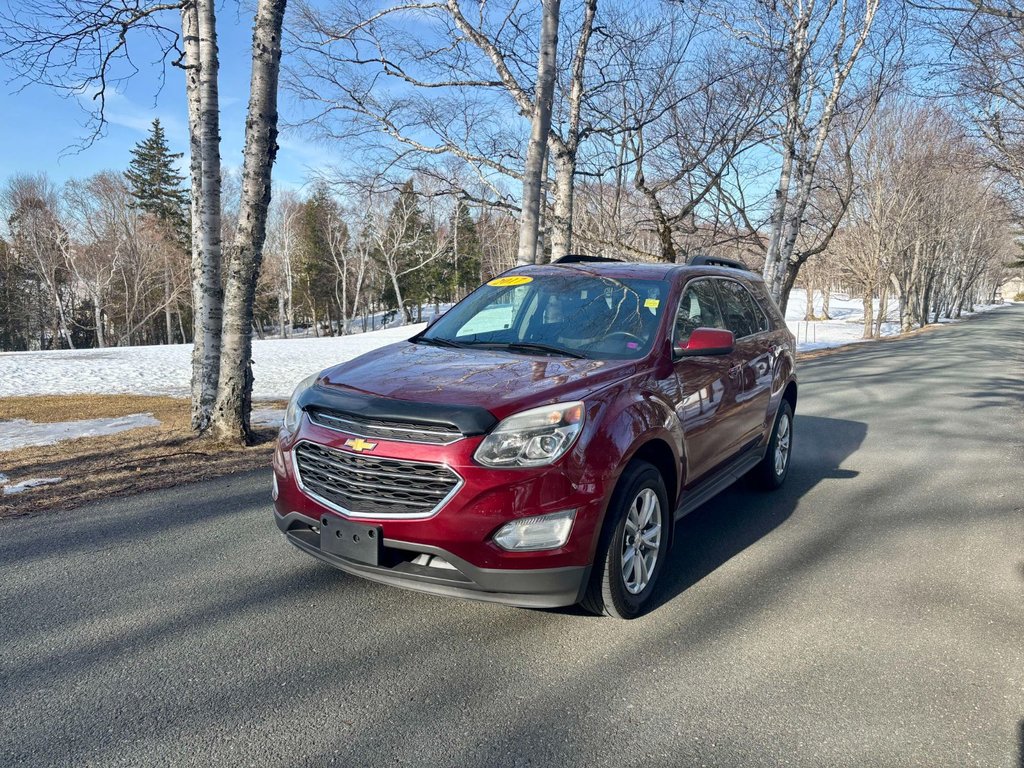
(201,52)
(831,58)
(234,385)
(540,126)
(40,237)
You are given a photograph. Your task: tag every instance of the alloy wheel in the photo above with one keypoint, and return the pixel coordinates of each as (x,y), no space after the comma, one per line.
(782,438)
(641,542)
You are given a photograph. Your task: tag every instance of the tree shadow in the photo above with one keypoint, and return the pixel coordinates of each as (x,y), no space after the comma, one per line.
(739,517)
(156,514)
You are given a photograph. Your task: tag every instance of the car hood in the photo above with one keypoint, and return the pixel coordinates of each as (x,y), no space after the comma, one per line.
(502,382)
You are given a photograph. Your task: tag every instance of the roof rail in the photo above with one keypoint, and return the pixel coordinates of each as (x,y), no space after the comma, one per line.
(582,258)
(715,261)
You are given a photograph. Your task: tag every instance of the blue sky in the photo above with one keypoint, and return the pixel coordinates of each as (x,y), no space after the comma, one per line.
(40,128)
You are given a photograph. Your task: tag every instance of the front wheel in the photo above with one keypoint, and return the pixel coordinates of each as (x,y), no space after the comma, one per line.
(633,546)
(771,472)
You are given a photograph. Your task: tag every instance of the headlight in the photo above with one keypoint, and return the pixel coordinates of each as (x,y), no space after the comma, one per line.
(533,533)
(532,438)
(293,415)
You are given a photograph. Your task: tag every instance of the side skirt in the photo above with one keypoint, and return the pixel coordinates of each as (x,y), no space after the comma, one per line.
(714,484)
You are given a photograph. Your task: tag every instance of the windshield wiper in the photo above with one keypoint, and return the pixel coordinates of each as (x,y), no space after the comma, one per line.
(437,342)
(531,346)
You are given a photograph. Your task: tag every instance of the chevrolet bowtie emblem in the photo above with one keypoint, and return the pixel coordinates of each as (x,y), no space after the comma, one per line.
(359,445)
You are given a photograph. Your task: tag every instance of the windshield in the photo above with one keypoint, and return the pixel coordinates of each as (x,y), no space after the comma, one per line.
(568,314)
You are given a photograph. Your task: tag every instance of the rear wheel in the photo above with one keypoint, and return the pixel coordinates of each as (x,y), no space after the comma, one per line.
(772,471)
(631,553)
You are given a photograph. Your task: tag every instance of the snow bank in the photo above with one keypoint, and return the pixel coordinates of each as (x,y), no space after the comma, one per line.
(24,485)
(278,365)
(846,325)
(21,433)
(266,417)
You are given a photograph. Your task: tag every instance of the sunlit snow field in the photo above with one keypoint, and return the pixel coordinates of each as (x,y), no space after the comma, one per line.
(279,363)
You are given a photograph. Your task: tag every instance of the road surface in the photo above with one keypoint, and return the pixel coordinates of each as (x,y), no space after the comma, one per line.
(871,613)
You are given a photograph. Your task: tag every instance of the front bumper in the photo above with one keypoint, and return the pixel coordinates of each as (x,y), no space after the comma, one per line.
(528,588)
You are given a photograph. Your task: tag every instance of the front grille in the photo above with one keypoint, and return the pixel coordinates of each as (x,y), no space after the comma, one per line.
(383,429)
(373,487)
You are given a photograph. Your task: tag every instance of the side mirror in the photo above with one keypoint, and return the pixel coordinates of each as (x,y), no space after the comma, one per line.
(706,341)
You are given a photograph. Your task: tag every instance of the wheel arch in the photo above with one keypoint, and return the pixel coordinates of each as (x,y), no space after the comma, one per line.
(790,395)
(658,453)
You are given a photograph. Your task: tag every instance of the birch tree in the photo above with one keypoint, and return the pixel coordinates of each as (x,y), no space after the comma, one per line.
(234,385)
(540,125)
(830,57)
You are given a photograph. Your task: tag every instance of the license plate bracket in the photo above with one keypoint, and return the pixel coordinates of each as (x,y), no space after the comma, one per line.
(353,541)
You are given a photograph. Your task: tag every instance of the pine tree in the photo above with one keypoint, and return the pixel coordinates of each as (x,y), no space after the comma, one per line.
(14,301)
(414,235)
(155,182)
(314,268)
(467,251)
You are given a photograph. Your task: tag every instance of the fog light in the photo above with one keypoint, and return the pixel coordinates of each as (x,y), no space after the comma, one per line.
(533,533)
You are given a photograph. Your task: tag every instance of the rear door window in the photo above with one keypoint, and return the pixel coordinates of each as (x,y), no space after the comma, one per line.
(741,314)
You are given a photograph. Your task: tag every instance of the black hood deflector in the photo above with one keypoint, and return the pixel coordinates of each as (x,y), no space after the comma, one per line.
(469,419)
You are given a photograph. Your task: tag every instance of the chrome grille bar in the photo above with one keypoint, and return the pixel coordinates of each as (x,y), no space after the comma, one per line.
(381,429)
(398,489)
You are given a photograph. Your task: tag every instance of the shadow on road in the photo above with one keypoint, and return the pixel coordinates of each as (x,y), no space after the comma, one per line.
(61,535)
(741,516)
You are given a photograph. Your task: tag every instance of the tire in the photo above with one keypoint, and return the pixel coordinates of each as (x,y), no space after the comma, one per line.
(771,472)
(640,495)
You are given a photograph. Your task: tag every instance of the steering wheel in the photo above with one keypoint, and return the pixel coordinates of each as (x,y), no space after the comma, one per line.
(625,334)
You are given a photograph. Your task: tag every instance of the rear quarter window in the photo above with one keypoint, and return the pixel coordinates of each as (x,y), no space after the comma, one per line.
(767,305)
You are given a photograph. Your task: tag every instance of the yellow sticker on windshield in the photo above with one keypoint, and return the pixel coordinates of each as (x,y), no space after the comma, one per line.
(505,282)
(652,303)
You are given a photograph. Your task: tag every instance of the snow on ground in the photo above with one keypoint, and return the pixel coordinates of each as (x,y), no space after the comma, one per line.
(266,417)
(24,485)
(278,366)
(20,433)
(847,323)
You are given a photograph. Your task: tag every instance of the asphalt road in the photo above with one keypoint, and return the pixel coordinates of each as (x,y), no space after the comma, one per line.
(870,613)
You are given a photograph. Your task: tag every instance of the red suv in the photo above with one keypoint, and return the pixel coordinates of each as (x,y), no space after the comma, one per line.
(536,443)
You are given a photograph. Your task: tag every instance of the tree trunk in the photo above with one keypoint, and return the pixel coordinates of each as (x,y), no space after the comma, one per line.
(168,321)
(787,285)
(778,221)
(97,312)
(398,295)
(561,225)
(566,152)
(181,324)
(234,390)
(533,171)
(201,58)
(883,310)
(869,312)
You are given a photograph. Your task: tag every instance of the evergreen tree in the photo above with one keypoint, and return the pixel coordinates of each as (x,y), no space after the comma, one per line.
(155,182)
(467,252)
(14,301)
(414,234)
(315,269)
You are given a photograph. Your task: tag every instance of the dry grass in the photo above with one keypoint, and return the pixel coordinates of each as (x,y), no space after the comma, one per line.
(814,354)
(116,465)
